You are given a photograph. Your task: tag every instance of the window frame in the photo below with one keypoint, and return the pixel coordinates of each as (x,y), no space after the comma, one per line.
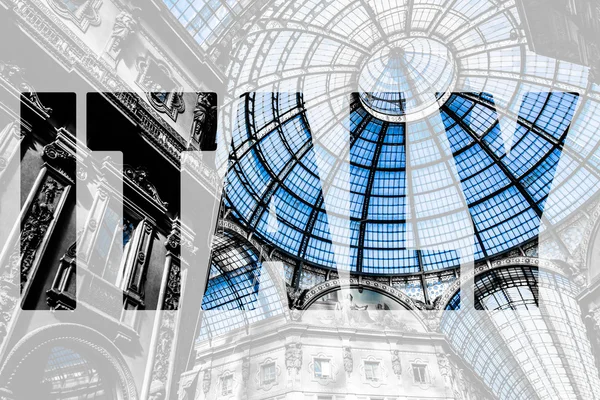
(226,385)
(416,366)
(321,361)
(272,368)
(375,370)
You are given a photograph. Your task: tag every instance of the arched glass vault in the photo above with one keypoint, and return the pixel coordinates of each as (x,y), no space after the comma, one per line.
(240,289)
(274,187)
(523,335)
(448,116)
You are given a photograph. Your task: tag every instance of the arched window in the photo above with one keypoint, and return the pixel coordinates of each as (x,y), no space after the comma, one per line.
(66,369)
(63,362)
(70,375)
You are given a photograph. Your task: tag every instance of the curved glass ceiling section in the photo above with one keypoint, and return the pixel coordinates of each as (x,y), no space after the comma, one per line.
(240,289)
(406,77)
(521,337)
(321,48)
(275,189)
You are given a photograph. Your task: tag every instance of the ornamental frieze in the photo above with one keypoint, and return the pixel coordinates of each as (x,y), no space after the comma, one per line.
(36,222)
(318,290)
(81,13)
(68,49)
(139,176)
(15,76)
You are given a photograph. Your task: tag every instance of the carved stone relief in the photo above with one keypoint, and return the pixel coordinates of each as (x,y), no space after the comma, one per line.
(206,381)
(83,13)
(348,362)
(125,26)
(15,76)
(396,363)
(173,289)
(293,361)
(36,222)
(162,91)
(204,125)
(139,176)
(245,370)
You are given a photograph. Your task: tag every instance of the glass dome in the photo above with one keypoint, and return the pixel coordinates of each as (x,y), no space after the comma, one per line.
(503,132)
(274,186)
(407,77)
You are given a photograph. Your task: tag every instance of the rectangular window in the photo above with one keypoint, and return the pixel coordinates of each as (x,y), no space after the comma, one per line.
(372,371)
(227,385)
(322,368)
(268,373)
(112,246)
(420,373)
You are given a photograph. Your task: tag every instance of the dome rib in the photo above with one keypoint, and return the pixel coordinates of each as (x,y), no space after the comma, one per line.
(367,196)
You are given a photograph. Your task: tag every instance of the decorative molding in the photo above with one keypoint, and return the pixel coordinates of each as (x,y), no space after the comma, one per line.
(61,155)
(69,50)
(124,27)
(266,386)
(179,238)
(62,293)
(139,176)
(66,332)
(396,363)
(348,362)
(166,330)
(594,316)
(36,223)
(203,134)
(82,13)
(14,76)
(162,90)
(164,347)
(234,384)
(332,365)
(173,289)
(188,385)
(293,361)
(382,370)
(428,378)
(328,286)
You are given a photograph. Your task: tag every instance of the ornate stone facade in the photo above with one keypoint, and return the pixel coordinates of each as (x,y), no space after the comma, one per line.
(204,127)
(125,26)
(82,13)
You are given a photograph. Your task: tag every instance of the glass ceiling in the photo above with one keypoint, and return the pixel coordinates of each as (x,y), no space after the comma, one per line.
(512,142)
(502,136)
(405,78)
(539,349)
(274,185)
(240,289)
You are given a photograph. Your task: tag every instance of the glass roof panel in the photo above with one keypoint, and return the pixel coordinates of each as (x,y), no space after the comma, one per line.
(504,171)
(504,190)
